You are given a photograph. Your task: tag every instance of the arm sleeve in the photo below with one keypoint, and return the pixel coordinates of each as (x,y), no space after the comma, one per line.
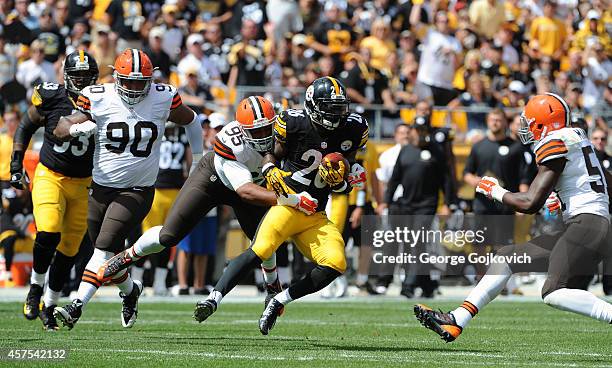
(194,136)
(176,101)
(235,172)
(84,103)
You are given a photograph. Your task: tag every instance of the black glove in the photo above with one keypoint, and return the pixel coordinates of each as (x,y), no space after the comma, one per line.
(17,173)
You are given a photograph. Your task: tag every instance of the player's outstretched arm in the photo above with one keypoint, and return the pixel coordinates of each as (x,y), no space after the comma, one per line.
(543,184)
(30,122)
(185,116)
(274,176)
(75,125)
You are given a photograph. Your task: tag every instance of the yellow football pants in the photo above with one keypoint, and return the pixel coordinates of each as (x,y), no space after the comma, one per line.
(162,202)
(339,210)
(60,206)
(317,238)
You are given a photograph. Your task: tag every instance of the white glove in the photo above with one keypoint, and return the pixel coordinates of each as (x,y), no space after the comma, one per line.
(84,129)
(357,176)
(553,203)
(489,186)
(195,160)
(302,201)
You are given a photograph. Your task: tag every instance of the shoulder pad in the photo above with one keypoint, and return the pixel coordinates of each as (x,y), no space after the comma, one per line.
(45,92)
(554,145)
(359,125)
(229,143)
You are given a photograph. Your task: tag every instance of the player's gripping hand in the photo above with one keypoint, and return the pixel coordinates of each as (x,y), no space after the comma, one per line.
(490,187)
(357,176)
(302,201)
(275,180)
(19,178)
(332,176)
(84,129)
(553,204)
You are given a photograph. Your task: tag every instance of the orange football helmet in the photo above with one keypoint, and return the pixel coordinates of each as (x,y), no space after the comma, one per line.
(542,115)
(255,115)
(133,75)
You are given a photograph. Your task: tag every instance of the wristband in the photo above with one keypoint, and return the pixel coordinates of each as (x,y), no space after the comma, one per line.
(497,193)
(361,198)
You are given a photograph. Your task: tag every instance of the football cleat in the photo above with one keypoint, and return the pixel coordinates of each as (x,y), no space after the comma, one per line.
(269,316)
(271,291)
(69,314)
(48,319)
(204,309)
(32,305)
(129,311)
(439,322)
(118,262)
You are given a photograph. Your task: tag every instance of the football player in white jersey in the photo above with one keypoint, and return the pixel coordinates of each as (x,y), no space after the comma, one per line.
(570,180)
(230,175)
(127,119)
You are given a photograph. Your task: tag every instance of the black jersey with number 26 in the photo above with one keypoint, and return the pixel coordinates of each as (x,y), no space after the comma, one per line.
(74,157)
(306,147)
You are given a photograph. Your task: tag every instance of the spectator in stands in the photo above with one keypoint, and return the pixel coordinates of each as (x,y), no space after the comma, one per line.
(22,13)
(36,69)
(79,36)
(156,53)
(285,15)
(172,37)
(216,48)
(574,98)
(575,67)
(504,37)
(408,45)
(104,51)
(334,36)
(404,90)
(592,29)
(597,74)
(61,17)
(125,18)
(195,59)
(379,43)
(477,97)
(80,9)
(599,139)
(439,60)
(300,54)
(548,35)
(252,10)
(194,93)
(246,58)
(49,34)
(560,84)
(7,62)
(487,16)
(602,111)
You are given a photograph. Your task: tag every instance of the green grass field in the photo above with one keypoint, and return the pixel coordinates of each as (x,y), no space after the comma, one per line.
(346,334)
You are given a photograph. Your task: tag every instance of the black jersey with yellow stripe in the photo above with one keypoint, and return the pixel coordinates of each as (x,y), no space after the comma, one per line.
(73,158)
(306,147)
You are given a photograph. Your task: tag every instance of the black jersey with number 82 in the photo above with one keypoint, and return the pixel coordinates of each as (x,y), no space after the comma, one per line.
(306,148)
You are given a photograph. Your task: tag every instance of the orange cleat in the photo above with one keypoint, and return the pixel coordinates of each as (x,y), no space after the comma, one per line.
(439,322)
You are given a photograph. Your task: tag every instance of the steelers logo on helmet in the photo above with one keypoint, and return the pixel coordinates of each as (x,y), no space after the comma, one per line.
(80,71)
(326,103)
(255,115)
(133,75)
(543,114)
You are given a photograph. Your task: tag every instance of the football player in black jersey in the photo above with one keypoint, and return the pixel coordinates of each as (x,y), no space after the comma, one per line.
(60,183)
(302,139)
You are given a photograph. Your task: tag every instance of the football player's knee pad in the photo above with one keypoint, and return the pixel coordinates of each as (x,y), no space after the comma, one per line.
(47,240)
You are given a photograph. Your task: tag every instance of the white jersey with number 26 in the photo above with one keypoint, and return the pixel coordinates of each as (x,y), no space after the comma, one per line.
(129,136)
(582,186)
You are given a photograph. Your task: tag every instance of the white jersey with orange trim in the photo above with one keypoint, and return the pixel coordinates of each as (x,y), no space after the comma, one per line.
(129,136)
(581,187)
(236,162)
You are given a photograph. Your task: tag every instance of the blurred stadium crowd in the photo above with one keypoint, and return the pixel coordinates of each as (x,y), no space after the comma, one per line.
(451,66)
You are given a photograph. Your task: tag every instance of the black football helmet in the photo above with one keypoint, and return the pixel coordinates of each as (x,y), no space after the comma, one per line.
(326,103)
(80,71)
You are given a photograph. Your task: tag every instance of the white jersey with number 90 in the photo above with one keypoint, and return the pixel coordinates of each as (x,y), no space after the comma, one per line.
(129,136)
